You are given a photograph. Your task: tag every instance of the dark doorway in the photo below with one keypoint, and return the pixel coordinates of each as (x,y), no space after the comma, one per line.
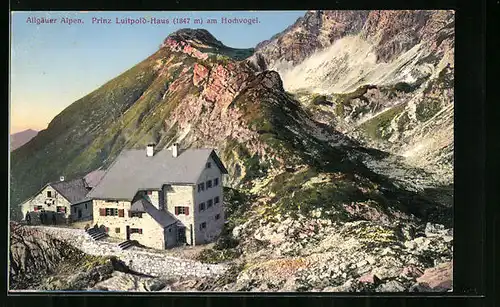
(181,235)
(79,213)
(128,232)
(191,234)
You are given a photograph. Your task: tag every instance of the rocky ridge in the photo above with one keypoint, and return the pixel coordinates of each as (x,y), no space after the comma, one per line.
(384,78)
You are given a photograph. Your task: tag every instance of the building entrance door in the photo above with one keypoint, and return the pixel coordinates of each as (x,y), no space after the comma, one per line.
(128,232)
(181,235)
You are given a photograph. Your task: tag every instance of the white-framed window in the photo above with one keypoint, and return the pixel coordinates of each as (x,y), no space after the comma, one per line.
(216,182)
(201,187)
(201,206)
(49,193)
(216,200)
(61,209)
(210,202)
(203,225)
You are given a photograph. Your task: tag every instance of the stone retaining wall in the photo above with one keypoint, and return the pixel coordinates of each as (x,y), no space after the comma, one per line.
(143,261)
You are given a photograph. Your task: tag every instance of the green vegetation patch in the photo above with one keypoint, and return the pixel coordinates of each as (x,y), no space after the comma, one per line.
(217,256)
(376,127)
(427,108)
(292,195)
(372,235)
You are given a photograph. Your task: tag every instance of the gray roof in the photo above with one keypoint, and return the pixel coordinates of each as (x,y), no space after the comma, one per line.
(162,217)
(133,171)
(74,190)
(93,178)
(139,206)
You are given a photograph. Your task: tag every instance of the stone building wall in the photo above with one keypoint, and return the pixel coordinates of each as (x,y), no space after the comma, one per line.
(208,216)
(181,195)
(85,208)
(152,233)
(39,200)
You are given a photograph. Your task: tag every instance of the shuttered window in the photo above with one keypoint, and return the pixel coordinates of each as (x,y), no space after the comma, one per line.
(136,230)
(216,182)
(121,213)
(102,211)
(111,211)
(181,210)
(117,230)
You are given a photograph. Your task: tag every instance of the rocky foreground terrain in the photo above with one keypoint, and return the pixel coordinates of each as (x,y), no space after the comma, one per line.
(337,136)
(284,255)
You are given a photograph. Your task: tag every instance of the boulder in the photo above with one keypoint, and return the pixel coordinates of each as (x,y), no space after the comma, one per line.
(437,279)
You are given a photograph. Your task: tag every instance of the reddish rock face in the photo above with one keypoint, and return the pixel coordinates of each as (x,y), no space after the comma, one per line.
(223,85)
(439,277)
(183,47)
(200,73)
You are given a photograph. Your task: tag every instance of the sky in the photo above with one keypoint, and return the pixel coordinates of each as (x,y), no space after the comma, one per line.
(54,64)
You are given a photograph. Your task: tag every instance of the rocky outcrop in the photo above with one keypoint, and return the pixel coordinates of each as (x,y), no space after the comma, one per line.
(43,262)
(391,33)
(436,279)
(313,32)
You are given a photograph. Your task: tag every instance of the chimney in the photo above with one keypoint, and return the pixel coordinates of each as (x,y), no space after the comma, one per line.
(61,178)
(150,150)
(175,150)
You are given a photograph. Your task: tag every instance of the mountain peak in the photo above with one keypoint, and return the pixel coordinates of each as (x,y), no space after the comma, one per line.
(200,36)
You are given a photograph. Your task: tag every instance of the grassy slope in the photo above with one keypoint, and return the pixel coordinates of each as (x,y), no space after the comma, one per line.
(82,136)
(277,117)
